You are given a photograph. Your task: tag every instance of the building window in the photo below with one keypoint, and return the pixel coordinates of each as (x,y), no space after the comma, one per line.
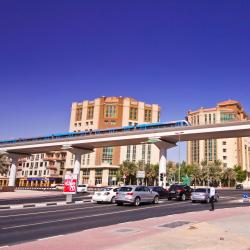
(86,172)
(224,150)
(148,115)
(88,159)
(214,118)
(83,159)
(210,118)
(36,165)
(134,153)
(225,117)
(149,154)
(113,123)
(143,153)
(98,180)
(205,118)
(112,172)
(40,173)
(195,149)
(107,155)
(224,157)
(224,143)
(128,153)
(158,117)
(41,164)
(78,114)
(44,172)
(90,112)
(110,111)
(31,172)
(225,165)
(98,172)
(133,113)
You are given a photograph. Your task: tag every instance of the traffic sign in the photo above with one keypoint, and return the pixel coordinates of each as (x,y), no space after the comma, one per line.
(245,197)
(140,174)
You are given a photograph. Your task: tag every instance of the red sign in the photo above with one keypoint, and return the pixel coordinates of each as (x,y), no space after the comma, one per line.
(70,183)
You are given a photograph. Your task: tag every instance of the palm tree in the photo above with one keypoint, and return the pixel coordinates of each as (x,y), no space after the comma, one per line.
(229,175)
(151,172)
(4,163)
(171,171)
(128,169)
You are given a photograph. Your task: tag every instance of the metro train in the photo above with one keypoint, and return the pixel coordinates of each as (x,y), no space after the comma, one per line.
(148,126)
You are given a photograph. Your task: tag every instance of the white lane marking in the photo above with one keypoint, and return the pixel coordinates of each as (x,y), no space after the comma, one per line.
(46,238)
(41,205)
(16,206)
(4,246)
(90,216)
(55,211)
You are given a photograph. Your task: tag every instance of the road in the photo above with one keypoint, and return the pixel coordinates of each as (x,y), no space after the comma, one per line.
(23,225)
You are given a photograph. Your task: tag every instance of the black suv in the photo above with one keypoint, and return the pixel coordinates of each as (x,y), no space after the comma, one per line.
(179,192)
(163,193)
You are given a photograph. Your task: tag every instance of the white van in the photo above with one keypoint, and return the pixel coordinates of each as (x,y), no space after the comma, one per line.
(82,188)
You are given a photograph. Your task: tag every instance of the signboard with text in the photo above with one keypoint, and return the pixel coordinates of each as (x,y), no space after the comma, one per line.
(70,184)
(140,174)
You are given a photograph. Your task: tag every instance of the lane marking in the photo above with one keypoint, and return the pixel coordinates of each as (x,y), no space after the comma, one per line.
(55,211)
(91,216)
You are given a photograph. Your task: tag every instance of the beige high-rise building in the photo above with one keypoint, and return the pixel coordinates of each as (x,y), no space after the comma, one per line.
(230,151)
(100,167)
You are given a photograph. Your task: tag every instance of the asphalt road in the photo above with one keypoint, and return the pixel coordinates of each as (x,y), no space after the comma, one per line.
(23,225)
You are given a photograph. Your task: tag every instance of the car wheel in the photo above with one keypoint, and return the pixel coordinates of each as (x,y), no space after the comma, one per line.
(193,201)
(183,197)
(137,201)
(169,198)
(119,203)
(98,202)
(113,200)
(156,200)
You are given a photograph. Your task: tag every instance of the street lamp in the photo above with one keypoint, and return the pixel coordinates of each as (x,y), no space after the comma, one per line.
(179,153)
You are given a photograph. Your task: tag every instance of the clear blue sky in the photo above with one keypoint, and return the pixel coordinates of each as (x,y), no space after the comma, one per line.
(179,54)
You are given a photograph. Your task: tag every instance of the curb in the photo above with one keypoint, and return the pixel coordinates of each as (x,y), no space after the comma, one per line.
(48,204)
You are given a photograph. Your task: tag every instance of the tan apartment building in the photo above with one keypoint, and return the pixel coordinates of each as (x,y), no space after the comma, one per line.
(100,167)
(230,151)
(40,170)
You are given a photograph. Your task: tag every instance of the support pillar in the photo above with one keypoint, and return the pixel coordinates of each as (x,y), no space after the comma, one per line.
(163,166)
(163,146)
(13,168)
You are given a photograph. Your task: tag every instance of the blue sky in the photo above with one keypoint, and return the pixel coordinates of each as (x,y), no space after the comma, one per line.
(179,54)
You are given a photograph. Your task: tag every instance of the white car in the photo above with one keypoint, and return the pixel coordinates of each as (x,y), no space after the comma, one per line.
(105,195)
(82,188)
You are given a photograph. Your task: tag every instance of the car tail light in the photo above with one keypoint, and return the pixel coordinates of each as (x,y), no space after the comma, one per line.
(106,193)
(179,190)
(131,193)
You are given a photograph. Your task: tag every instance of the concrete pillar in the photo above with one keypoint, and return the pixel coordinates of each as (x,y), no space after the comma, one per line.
(163,166)
(77,165)
(13,168)
(163,146)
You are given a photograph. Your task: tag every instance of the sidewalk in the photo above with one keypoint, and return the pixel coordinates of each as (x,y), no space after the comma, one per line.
(222,229)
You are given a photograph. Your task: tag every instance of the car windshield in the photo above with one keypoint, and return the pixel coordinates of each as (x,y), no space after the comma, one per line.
(125,189)
(201,190)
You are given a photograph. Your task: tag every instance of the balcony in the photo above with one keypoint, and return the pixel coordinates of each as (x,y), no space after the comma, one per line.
(54,158)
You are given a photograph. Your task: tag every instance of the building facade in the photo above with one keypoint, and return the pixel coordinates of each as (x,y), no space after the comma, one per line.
(231,151)
(38,170)
(99,168)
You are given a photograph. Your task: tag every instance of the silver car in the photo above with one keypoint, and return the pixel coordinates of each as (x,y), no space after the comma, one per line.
(135,195)
(202,194)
